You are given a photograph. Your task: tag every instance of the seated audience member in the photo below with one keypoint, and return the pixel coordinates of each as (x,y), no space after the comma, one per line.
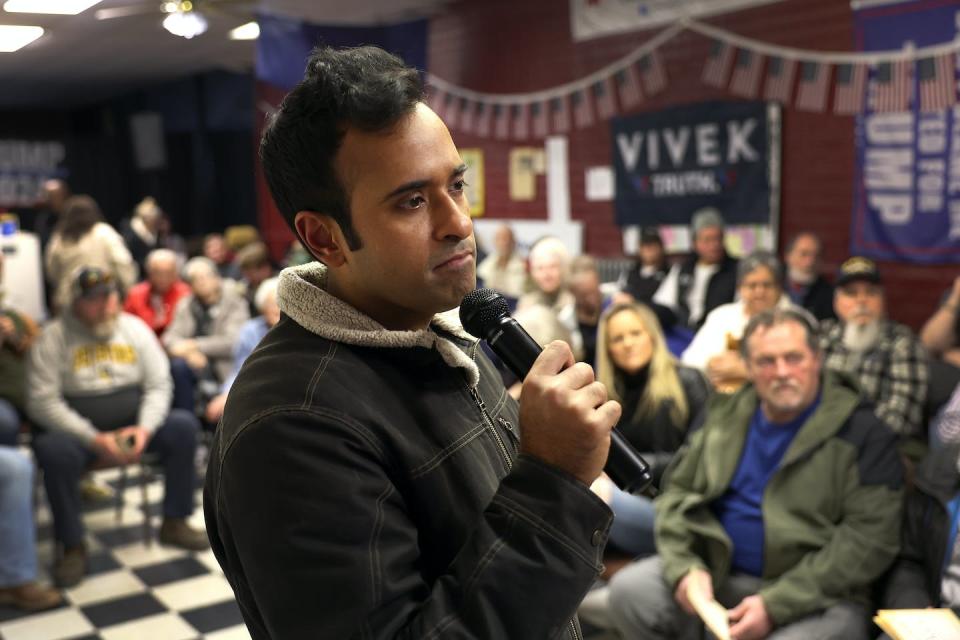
(154,299)
(784,506)
(804,283)
(251,333)
(716,347)
(141,232)
(641,280)
(927,571)
(549,273)
(940,333)
(255,267)
(704,281)
(201,336)
(215,248)
(82,239)
(167,238)
(503,270)
(589,303)
(18,550)
(660,400)
(885,358)
(98,390)
(17,333)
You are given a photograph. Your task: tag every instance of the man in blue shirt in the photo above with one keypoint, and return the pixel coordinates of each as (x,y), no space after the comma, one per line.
(784,506)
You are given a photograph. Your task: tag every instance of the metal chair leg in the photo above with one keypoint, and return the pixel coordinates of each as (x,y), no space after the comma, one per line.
(121,487)
(146,476)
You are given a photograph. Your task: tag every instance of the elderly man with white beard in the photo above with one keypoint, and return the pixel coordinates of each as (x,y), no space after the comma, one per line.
(886,358)
(98,392)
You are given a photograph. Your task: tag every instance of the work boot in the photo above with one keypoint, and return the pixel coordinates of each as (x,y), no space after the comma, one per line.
(70,568)
(30,597)
(177,533)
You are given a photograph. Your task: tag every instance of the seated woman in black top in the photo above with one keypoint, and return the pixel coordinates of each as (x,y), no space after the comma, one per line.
(660,399)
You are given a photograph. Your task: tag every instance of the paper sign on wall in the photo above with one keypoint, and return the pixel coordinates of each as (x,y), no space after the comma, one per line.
(525,164)
(475,189)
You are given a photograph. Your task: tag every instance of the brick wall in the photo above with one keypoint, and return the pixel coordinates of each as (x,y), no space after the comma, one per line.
(504,46)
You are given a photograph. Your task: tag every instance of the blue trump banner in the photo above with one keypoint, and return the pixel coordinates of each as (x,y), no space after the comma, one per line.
(285,44)
(907,188)
(670,163)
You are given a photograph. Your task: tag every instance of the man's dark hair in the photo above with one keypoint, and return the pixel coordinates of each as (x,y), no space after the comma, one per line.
(366,88)
(803,234)
(768,319)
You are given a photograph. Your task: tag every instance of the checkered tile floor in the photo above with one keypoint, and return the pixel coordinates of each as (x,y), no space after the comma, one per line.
(132,591)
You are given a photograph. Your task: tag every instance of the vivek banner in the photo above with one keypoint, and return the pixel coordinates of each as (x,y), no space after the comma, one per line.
(668,164)
(907,183)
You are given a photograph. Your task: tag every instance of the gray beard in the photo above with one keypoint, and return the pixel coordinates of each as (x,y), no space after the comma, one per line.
(104,329)
(861,338)
(800,277)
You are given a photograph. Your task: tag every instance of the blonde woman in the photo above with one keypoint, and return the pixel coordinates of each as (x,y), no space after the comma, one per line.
(660,399)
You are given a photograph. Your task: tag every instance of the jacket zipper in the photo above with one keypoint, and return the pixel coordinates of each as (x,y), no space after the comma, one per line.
(575,631)
(493,429)
(486,416)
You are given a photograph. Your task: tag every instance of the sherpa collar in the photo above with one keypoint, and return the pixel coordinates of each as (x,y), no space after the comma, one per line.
(302,295)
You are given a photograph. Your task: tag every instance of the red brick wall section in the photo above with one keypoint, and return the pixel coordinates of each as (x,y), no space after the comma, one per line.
(504,46)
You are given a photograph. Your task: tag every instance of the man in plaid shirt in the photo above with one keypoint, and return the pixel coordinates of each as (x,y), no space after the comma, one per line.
(886,358)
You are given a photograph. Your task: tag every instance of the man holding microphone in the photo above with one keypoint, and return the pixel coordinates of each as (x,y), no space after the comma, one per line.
(371,477)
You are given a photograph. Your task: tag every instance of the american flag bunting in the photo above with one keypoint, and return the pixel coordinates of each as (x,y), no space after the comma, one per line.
(520,114)
(582,110)
(538,116)
(780,75)
(560,110)
(937,82)
(813,87)
(850,89)
(628,87)
(466,115)
(891,86)
(653,73)
(745,80)
(501,121)
(484,116)
(603,95)
(718,64)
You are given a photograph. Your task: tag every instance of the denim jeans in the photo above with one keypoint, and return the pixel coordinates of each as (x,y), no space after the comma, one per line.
(64,458)
(18,553)
(9,424)
(632,530)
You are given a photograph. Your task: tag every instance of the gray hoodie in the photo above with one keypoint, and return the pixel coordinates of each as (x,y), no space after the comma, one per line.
(68,361)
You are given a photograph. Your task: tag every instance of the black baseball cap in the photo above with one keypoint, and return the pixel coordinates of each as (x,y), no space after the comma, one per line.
(91,282)
(858,268)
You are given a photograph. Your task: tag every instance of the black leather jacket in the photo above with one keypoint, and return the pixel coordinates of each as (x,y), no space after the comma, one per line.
(369,492)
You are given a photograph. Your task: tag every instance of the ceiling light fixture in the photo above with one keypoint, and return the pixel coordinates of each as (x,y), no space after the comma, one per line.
(186,24)
(249,31)
(13,37)
(60,7)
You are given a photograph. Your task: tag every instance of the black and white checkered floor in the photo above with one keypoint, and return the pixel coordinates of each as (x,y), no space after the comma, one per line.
(133,591)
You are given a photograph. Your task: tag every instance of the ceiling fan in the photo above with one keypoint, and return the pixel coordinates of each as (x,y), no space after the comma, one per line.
(184,18)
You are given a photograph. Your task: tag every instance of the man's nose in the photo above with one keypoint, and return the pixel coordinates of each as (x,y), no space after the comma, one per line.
(452,219)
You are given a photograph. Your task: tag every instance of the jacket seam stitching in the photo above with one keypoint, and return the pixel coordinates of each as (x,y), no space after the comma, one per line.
(521,512)
(448,451)
(318,373)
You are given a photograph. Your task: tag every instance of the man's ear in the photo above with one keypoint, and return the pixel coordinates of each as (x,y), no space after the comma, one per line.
(321,236)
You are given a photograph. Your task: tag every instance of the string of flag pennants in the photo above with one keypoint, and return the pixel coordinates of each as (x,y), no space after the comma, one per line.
(745,67)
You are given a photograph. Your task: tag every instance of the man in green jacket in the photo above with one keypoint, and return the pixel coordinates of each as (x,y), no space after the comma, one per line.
(784,506)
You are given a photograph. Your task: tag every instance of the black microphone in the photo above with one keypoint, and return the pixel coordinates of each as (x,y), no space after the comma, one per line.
(485,314)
